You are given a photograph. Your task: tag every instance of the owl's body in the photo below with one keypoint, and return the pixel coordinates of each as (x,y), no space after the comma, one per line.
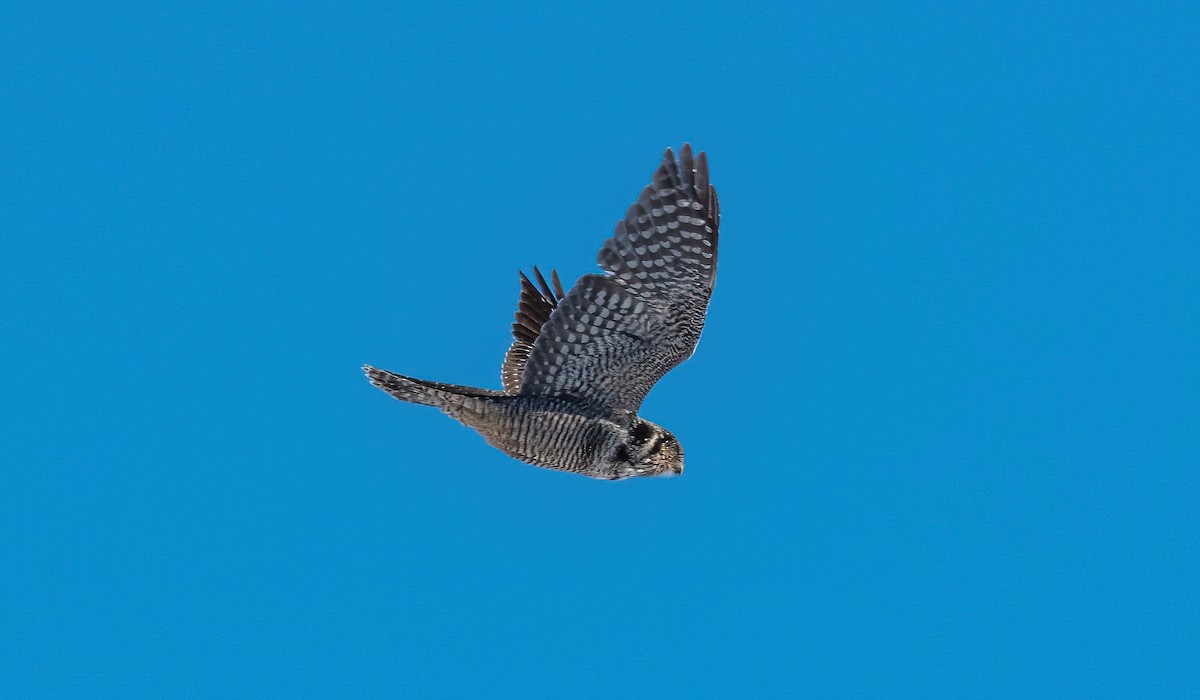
(581,362)
(543,430)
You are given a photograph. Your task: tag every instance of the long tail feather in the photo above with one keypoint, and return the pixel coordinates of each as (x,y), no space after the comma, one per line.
(423,392)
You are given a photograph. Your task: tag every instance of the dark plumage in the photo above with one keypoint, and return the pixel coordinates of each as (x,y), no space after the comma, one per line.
(582,362)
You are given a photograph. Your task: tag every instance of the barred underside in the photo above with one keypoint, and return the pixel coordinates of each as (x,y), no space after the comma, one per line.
(549,432)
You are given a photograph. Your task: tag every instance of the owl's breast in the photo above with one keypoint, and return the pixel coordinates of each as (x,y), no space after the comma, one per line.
(550,432)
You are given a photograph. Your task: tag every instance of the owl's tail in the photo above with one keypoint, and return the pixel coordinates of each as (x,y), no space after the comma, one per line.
(444,396)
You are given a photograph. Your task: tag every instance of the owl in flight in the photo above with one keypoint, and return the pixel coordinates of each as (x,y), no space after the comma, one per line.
(582,362)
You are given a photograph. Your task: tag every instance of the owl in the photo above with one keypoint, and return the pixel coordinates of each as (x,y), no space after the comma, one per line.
(581,362)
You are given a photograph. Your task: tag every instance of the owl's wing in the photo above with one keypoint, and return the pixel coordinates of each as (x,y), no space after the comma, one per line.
(613,336)
(533,310)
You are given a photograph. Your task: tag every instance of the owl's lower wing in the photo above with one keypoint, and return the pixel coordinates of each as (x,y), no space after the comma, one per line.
(533,310)
(614,336)
(605,345)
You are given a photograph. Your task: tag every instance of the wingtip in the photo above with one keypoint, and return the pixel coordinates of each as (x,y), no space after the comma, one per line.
(688,162)
(687,165)
(685,151)
(558,288)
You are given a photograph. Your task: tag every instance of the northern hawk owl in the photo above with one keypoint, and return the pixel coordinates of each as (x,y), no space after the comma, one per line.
(582,362)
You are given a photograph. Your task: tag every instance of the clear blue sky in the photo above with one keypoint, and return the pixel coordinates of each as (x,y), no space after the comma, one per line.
(942,430)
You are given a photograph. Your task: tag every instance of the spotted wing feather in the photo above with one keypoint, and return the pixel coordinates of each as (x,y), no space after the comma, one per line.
(533,310)
(666,246)
(614,336)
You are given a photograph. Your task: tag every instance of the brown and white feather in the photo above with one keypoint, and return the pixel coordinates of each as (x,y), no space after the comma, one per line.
(533,310)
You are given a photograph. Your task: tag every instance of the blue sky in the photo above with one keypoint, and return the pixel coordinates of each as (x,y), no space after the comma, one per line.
(942,430)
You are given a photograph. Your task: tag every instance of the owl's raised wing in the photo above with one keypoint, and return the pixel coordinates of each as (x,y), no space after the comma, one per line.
(613,336)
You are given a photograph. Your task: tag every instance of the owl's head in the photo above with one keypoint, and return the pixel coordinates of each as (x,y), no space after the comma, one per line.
(650,450)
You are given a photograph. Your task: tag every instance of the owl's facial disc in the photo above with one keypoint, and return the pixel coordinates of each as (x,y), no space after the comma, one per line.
(667,456)
(649,450)
(655,451)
